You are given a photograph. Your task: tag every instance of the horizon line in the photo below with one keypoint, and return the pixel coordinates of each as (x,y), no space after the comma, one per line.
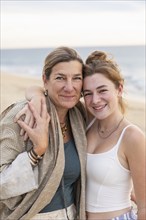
(27,48)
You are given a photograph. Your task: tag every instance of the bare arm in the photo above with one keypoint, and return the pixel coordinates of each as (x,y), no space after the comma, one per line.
(34,91)
(135,153)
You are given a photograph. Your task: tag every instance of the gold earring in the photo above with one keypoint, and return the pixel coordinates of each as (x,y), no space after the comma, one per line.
(46,92)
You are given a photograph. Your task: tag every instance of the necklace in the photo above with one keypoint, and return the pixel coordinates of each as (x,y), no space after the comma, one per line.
(102,132)
(64,129)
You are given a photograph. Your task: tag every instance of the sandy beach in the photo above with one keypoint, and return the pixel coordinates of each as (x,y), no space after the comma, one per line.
(13,89)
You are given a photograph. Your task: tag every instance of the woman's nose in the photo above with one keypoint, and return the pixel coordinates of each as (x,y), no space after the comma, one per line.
(68,86)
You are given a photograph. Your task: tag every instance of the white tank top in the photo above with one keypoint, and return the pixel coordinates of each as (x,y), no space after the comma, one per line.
(109,184)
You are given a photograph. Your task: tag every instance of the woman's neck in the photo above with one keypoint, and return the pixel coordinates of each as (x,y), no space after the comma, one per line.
(62,116)
(65,125)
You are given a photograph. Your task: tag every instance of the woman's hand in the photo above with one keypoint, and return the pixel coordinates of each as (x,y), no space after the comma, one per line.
(39,133)
(27,114)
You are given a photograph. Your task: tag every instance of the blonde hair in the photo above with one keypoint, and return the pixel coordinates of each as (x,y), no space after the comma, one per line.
(58,55)
(103,63)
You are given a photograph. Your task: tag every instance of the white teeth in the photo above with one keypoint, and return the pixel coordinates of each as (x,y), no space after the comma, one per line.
(99,108)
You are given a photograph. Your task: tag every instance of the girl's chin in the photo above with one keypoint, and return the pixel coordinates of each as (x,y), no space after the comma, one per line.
(98,115)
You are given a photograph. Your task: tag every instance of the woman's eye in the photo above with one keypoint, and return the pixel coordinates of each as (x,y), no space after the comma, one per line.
(59,78)
(78,78)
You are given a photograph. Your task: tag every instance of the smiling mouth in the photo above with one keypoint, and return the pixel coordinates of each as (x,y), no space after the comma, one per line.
(99,108)
(68,97)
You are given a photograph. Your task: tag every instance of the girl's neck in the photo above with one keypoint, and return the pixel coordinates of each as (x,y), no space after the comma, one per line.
(110,122)
(109,128)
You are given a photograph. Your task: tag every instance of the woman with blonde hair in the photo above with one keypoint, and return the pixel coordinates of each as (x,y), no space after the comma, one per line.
(44,177)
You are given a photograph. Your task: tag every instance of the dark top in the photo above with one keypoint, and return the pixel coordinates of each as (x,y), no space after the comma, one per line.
(71,175)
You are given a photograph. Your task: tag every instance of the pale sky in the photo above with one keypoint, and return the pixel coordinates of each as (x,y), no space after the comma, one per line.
(31,24)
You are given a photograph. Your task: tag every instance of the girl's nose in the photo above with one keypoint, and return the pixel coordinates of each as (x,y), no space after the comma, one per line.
(96,98)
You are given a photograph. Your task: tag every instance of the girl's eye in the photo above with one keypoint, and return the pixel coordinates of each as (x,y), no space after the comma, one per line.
(103,90)
(86,94)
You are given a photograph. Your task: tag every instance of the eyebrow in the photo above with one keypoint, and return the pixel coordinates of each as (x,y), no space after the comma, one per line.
(99,87)
(62,74)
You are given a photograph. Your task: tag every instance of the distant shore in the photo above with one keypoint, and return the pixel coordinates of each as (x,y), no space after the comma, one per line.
(13,89)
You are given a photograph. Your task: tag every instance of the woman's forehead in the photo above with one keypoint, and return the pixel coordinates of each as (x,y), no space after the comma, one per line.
(67,67)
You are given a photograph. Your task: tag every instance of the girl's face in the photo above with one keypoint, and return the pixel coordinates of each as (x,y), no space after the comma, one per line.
(101,96)
(65,84)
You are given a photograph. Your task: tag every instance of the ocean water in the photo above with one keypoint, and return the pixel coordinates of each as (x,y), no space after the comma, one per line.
(131,60)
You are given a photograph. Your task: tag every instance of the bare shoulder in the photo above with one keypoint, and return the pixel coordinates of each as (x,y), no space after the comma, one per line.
(134,139)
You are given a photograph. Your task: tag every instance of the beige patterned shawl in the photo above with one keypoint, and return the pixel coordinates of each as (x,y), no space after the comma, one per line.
(50,168)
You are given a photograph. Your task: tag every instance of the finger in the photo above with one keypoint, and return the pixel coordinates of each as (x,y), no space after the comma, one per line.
(25,136)
(48,118)
(31,125)
(21,113)
(27,121)
(28,117)
(22,132)
(35,124)
(31,122)
(44,112)
(34,112)
(25,127)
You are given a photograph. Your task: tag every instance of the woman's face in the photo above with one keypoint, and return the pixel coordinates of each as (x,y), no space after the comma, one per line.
(101,96)
(65,84)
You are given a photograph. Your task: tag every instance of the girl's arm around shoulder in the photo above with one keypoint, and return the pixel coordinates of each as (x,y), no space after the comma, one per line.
(34,91)
(135,151)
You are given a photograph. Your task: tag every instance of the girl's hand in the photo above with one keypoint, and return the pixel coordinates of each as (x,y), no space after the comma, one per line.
(39,133)
(133,197)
